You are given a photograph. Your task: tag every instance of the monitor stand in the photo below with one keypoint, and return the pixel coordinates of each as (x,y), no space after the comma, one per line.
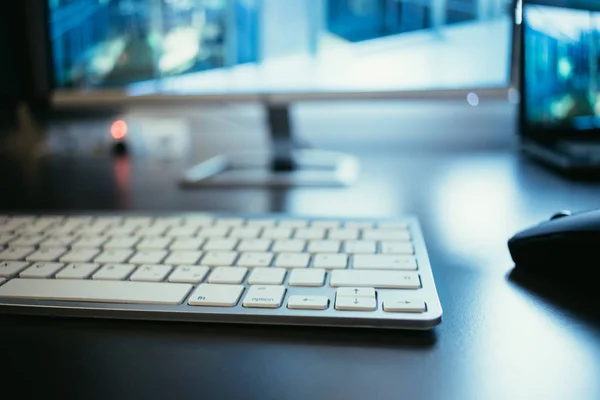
(287,164)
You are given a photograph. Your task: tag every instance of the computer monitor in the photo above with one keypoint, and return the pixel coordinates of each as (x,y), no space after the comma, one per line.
(278,52)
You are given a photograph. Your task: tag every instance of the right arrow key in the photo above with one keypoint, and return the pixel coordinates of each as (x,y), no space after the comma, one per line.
(403,304)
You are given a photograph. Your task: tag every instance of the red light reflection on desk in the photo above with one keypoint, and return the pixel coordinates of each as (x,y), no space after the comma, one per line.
(122,172)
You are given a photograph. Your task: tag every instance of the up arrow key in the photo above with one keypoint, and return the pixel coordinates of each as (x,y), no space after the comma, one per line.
(356,292)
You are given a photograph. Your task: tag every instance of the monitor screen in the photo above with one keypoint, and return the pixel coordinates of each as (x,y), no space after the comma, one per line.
(274,46)
(561,67)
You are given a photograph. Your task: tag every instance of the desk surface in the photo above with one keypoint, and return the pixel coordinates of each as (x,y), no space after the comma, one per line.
(501,337)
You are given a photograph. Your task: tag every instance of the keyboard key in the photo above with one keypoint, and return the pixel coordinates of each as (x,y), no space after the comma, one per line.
(41,270)
(15,253)
(216,295)
(386,234)
(324,246)
(276,233)
(268,296)
(6,238)
(89,241)
(154,243)
(77,271)
(358,224)
(182,257)
(10,226)
(267,276)
(155,230)
(114,272)
(183,231)
(330,261)
(392,225)
(292,260)
(384,261)
(344,303)
(325,224)
(148,257)
(311,277)
(220,244)
(122,231)
(289,246)
(293,223)
(255,259)
(96,291)
(23,219)
(188,274)
(167,221)
(34,228)
(138,221)
(309,233)
(62,240)
(77,220)
(27,240)
(228,275)
(218,258)
(91,230)
(300,302)
(114,256)
(80,255)
(400,303)
(123,242)
(198,221)
(263,223)
(343,234)
(112,220)
(247,232)
(186,243)
(150,273)
(397,247)
(385,279)
(61,230)
(214,232)
(355,292)
(254,245)
(360,246)
(229,222)
(10,268)
(43,254)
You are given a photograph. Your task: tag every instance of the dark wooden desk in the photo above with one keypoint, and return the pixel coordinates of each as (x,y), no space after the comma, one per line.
(502,337)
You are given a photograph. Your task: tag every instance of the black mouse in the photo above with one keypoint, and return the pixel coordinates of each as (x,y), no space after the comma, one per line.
(559,243)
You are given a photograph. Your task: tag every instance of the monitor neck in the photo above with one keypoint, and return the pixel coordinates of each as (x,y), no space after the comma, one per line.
(280,130)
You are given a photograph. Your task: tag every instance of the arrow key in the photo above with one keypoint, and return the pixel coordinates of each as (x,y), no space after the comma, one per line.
(403,304)
(356,292)
(300,302)
(347,303)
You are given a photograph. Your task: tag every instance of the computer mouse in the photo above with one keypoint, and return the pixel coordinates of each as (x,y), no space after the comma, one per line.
(564,241)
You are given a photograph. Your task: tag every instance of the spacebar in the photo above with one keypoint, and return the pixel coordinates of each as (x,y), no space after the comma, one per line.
(95,291)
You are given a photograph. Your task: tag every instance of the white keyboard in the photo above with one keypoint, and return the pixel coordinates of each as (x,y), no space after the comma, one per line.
(272,269)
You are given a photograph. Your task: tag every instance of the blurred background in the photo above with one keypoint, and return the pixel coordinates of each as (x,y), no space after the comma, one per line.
(216,46)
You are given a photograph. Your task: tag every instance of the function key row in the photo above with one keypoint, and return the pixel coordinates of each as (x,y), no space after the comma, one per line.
(26,237)
(8,223)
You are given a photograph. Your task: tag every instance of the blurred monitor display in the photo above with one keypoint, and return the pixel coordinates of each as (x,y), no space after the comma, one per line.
(561,71)
(272,46)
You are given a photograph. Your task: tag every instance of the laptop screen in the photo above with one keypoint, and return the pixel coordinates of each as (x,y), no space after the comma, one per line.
(561,67)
